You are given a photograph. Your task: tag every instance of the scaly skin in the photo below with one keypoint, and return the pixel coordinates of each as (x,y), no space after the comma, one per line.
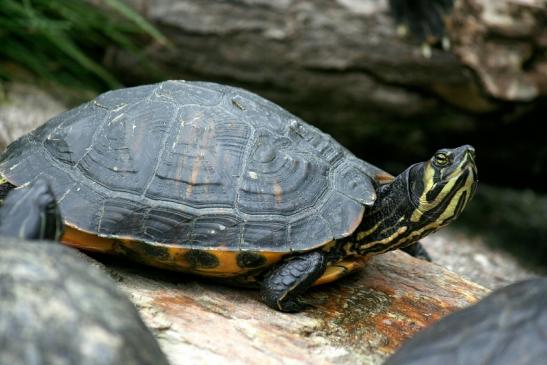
(282,287)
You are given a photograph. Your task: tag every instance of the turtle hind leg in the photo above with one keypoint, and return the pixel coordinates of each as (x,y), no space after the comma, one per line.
(417,250)
(282,286)
(31,212)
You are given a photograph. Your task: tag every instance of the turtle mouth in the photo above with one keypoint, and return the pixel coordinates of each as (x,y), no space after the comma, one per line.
(469,168)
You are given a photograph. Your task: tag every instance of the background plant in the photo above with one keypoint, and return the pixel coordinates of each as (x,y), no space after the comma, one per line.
(64,41)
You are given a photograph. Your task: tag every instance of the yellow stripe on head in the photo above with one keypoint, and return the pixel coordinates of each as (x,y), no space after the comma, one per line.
(446,177)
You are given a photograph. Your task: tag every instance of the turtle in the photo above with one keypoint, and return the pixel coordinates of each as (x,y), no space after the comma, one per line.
(30,212)
(507,327)
(55,307)
(217,181)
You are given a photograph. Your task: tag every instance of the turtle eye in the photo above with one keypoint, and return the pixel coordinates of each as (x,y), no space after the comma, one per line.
(441,159)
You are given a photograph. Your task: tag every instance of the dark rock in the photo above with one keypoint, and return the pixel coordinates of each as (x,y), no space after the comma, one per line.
(55,308)
(507,327)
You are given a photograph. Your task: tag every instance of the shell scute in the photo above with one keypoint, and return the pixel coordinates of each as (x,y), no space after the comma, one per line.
(121,217)
(279,179)
(199,94)
(198,150)
(342,214)
(117,98)
(126,150)
(196,166)
(216,231)
(168,225)
(311,228)
(322,144)
(70,144)
(355,183)
(269,235)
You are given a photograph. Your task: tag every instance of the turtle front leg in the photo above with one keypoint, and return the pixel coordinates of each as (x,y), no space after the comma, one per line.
(283,285)
(417,250)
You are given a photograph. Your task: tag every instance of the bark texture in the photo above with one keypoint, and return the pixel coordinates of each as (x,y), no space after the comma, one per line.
(302,44)
(358,320)
(505,43)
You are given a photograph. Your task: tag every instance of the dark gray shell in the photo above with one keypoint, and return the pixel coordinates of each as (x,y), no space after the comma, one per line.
(196,164)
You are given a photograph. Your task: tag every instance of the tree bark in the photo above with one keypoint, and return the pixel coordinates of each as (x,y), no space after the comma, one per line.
(291,43)
(505,43)
(358,320)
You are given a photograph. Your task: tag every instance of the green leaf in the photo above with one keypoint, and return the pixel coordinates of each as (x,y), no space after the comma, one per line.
(137,19)
(63,40)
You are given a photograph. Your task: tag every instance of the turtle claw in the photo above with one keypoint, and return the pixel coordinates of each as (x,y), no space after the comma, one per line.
(418,251)
(294,305)
(282,287)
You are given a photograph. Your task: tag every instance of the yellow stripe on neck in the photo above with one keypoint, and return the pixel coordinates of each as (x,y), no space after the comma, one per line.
(448,212)
(425,206)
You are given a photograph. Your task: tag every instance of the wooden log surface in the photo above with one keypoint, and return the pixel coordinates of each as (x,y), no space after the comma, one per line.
(360,319)
(353,47)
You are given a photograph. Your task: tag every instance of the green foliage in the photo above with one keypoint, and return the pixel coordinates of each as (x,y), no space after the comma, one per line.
(64,41)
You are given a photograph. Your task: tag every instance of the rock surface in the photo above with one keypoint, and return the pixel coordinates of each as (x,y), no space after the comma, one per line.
(470,256)
(24,108)
(505,328)
(57,309)
(360,319)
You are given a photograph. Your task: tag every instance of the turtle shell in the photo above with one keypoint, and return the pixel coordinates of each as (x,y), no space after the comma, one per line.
(198,165)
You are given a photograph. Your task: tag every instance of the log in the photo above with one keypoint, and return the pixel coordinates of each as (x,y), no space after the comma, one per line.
(505,43)
(360,319)
(353,47)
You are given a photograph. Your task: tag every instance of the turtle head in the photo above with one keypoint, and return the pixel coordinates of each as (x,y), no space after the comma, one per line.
(425,197)
(440,188)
